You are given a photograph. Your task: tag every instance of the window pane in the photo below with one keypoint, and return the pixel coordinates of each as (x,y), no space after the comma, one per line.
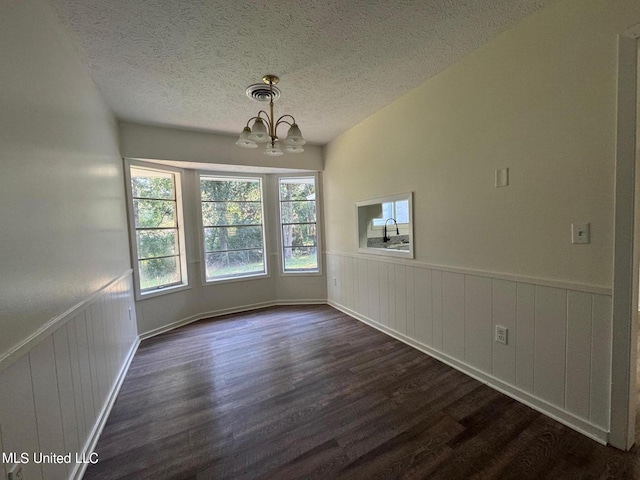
(300,258)
(232,238)
(298,212)
(297,188)
(151,184)
(297,219)
(232,221)
(402,211)
(222,189)
(299,235)
(230,264)
(231,213)
(397,210)
(158,272)
(157,243)
(154,213)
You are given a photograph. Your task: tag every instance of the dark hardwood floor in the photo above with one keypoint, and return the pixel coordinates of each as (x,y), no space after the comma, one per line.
(308,392)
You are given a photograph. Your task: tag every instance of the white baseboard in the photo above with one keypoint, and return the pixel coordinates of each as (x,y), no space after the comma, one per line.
(228,311)
(592,431)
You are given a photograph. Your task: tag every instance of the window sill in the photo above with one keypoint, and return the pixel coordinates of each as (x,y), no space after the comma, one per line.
(244,278)
(292,273)
(387,252)
(161,291)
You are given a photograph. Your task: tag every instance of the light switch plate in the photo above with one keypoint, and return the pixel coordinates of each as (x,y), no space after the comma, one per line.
(502,177)
(580,233)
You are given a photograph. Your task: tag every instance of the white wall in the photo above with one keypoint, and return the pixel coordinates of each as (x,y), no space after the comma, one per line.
(66,334)
(62,207)
(539,99)
(160,143)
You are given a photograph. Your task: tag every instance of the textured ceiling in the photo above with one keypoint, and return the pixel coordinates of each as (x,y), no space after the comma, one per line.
(187,63)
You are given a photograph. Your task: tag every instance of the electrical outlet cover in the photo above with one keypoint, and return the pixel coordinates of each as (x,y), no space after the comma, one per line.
(501,334)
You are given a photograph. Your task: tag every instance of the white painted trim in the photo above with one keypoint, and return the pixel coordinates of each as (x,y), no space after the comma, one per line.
(573,422)
(600,290)
(319,225)
(91,442)
(199,174)
(307,301)
(7,359)
(625,271)
(228,311)
(179,173)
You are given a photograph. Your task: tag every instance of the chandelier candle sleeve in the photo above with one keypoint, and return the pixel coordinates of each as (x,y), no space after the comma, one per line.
(265,127)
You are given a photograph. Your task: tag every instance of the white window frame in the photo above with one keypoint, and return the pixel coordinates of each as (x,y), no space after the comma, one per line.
(265,240)
(318,202)
(133,241)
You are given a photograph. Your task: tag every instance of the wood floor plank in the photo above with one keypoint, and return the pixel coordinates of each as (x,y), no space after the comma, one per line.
(308,392)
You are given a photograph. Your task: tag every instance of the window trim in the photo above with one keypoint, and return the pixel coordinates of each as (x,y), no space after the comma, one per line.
(201,244)
(318,189)
(182,235)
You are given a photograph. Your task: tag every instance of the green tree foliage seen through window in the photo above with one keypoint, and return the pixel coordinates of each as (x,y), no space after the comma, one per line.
(298,222)
(156,225)
(232,223)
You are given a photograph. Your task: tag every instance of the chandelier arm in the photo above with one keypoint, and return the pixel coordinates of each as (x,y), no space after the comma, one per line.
(253,118)
(281,120)
(258,117)
(267,119)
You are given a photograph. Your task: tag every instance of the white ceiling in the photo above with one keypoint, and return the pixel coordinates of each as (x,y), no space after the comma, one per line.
(187,63)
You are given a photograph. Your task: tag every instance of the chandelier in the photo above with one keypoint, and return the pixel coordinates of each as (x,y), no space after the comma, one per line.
(264,129)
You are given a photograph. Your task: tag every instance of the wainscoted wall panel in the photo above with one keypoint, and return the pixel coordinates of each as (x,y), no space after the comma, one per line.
(525,335)
(558,352)
(600,361)
(436,298)
(399,297)
(55,397)
(423,306)
(504,313)
(373,276)
(549,358)
(453,314)
(477,322)
(47,401)
(578,374)
(18,415)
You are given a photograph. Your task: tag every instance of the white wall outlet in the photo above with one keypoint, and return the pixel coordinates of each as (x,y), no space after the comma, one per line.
(501,334)
(15,473)
(502,177)
(580,233)
(335,282)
